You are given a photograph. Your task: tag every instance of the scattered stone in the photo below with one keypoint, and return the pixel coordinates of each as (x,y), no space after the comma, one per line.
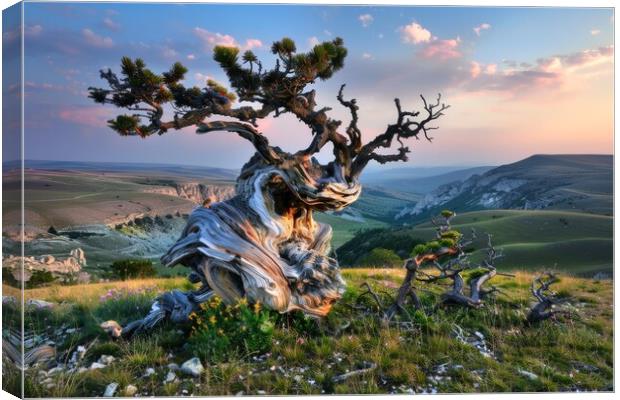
(261,392)
(110,389)
(130,390)
(149,371)
(584,367)
(170,377)
(96,365)
(106,359)
(40,304)
(476,340)
(192,367)
(173,367)
(239,393)
(112,328)
(527,374)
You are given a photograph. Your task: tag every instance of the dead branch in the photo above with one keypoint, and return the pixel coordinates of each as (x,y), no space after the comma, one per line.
(548,300)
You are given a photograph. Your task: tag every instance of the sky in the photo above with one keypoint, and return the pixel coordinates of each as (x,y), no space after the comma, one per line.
(520,81)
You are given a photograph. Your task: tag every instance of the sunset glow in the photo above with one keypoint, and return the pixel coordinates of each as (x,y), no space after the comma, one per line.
(519,81)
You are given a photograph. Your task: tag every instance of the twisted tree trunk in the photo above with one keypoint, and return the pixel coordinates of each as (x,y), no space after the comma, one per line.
(264,243)
(548,301)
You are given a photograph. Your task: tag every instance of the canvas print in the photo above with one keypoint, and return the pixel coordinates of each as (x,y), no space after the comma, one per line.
(233,199)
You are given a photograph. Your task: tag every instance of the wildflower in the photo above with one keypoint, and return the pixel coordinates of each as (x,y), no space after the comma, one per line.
(212,319)
(257,307)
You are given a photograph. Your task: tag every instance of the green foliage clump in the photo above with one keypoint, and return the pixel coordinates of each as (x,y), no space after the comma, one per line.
(447,214)
(39,278)
(446,239)
(397,240)
(380,257)
(451,234)
(133,268)
(419,249)
(221,331)
(226,56)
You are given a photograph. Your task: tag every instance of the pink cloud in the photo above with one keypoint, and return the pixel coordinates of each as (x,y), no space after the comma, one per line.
(415,33)
(212,39)
(475,69)
(366,20)
(490,69)
(96,40)
(252,43)
(549,72)
(88,116)
(29,31)
(110,24)
(481,28)
(442,49)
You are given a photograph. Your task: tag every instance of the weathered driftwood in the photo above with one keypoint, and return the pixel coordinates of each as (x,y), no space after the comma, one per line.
(446,254)
(547,300)
(263,244)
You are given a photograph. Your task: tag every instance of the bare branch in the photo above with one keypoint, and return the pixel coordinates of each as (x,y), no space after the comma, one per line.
(404,128)
(355,135)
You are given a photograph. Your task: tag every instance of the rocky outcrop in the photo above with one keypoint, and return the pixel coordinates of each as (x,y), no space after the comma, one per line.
(69,267)
(195,192)
(538,182)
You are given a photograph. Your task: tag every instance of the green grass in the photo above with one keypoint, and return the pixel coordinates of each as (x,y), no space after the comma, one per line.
(305,355)
(573,242)
(345,229)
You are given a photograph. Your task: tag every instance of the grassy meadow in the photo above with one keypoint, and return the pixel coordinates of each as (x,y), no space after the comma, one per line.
(571,242)
(353,350)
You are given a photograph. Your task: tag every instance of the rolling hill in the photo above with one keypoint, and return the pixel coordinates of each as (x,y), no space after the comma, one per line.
(578,243)
(413,181)
(580,183)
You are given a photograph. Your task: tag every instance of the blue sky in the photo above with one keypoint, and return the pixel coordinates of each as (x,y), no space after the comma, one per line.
(517,62)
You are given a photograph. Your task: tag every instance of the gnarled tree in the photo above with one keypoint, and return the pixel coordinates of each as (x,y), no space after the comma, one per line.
(548,303)
(446,255)
(263,243)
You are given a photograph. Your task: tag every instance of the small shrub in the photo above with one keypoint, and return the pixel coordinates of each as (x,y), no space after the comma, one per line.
(220,331)
(40,278)
(133,268)
(380,257)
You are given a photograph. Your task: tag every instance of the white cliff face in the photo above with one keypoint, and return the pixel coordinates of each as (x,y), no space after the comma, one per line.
(508,185)
(490,190)
(195,192)
(437,197)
